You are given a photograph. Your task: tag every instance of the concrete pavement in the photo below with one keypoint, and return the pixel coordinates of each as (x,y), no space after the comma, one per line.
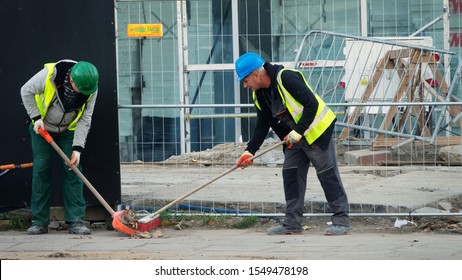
(193,244)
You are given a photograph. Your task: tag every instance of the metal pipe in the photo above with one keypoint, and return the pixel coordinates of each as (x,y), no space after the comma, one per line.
(376,104)
(176,106)
(448,97)
(213,116)
(426,139)
(401,104)
(181,74)
(375,40)
(425,27)
(412,139)
(276,215)
(236,84)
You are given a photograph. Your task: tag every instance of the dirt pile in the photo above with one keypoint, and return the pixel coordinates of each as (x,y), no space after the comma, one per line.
(228,153)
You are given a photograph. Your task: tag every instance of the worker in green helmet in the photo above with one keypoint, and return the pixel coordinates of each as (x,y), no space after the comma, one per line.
(60,98)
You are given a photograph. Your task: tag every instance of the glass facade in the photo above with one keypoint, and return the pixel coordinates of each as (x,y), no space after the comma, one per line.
(192,63)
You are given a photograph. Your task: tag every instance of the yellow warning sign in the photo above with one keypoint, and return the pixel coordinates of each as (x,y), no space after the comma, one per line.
(144,30)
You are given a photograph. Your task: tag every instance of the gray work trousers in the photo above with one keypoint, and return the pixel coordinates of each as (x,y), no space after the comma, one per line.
(295,171)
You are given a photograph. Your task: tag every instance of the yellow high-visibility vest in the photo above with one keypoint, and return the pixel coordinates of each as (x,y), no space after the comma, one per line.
(44,99)
(324,116)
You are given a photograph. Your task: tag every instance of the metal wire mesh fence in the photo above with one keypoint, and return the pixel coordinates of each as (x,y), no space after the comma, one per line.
(389,93)
(397,103)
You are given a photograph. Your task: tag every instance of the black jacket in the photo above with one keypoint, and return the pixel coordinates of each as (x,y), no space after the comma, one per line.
(271,103)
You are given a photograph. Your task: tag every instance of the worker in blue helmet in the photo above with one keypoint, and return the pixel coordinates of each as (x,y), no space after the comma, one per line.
(248,63)
(286,103)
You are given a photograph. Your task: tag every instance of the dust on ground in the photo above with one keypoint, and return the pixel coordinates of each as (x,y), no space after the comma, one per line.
(20,219)
(443,225)
(179,228)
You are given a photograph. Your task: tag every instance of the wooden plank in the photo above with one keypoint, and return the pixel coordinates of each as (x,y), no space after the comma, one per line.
(438,76)
(440,141)
(369,89)
(415,162)
(453,110)
(402,89)
(401,53)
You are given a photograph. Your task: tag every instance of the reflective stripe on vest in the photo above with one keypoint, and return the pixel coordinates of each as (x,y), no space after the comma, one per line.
(44,99)
(254,96)
(324,116)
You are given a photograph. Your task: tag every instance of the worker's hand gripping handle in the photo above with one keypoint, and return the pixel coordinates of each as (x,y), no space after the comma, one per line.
(45,135)
(74,168)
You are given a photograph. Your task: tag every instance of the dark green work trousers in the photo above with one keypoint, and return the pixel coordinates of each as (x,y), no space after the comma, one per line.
(43,153)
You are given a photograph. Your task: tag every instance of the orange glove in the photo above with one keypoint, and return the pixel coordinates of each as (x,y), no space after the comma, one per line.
(244,160)
(291,138)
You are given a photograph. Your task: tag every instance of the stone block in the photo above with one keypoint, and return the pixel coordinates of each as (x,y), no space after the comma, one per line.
(367,157)
(451,154)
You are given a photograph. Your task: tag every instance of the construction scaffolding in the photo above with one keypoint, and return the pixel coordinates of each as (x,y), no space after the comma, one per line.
(387,90)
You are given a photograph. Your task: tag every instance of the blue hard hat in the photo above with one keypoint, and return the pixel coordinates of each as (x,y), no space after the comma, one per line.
(247,63)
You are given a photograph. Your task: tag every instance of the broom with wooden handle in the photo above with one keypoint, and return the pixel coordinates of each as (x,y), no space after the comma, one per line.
(117,216)
(144,223)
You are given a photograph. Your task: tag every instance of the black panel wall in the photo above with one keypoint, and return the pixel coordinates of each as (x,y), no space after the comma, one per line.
(33,33)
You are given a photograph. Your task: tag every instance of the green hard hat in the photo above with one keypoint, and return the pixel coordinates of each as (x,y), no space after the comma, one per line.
(85,77)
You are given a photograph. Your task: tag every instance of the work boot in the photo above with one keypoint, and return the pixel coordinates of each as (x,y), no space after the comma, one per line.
(337,230)
(283,230)
(37,229)
(78,228)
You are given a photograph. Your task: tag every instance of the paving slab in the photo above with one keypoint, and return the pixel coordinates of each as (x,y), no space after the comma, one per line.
(193,244)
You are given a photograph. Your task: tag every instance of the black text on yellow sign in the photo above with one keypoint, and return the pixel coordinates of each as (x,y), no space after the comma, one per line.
(144,30)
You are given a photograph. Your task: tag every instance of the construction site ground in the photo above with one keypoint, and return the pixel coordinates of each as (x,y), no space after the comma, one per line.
(388,206)
(372,237)
(375,242)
